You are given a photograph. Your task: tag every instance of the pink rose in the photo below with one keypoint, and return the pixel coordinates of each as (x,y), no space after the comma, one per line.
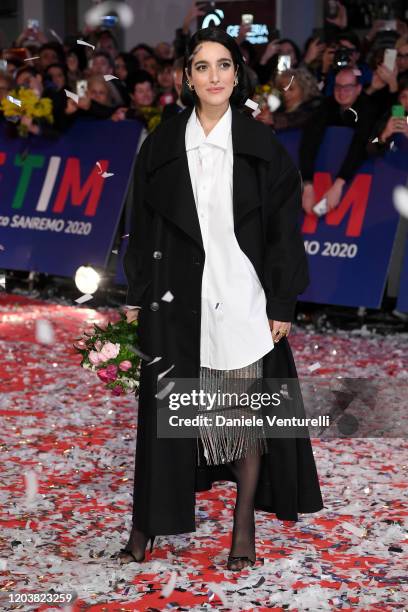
(98,345)
(103,375)
(94,358)
(125,365)
(80,344)
(109,351)
(117,390)
(111,372)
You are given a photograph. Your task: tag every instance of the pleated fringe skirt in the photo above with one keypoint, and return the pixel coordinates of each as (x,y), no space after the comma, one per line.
(226,443)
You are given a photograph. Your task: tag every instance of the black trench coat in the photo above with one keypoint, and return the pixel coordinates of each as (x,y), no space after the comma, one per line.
(165,253)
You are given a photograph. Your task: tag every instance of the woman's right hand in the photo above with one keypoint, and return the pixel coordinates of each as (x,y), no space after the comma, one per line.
(132,315)
(272,49)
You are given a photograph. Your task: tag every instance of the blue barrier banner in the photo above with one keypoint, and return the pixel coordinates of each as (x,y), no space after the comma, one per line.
(402,302)
(349,249)
(61,199)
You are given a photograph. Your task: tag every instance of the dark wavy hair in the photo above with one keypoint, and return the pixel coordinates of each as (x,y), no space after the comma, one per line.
(242,91)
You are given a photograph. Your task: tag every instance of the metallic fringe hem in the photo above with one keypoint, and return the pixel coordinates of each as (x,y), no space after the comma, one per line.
(223,444)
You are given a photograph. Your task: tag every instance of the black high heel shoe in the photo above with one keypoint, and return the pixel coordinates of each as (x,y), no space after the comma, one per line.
(129,552)
(249,563)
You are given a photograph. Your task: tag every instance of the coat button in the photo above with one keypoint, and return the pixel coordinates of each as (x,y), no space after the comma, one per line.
(154,306)
(157,255)
(194,312)
(197,262)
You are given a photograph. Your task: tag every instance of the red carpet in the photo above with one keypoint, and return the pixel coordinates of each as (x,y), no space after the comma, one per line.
(58,422)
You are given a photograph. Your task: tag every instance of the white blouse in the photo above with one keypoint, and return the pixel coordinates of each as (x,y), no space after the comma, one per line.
(234,325)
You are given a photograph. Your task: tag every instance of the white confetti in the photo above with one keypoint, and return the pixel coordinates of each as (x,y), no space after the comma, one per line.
(217,590)
(358,531)
(314,366)
(256,112)
(2,248)
(84,298)
(15,101)
(72,95)
(375,139)
(155,360)
(162,394)
(115,251)
(169,587)
(291,81)
(44,332)
(3,281)
(273,102)
(55,35)
(163,374)
(109,77)
(400,197)
(251,104)
(101,173)
(168,297)
(28,59)
(86,44)
(31,485)
(355,113)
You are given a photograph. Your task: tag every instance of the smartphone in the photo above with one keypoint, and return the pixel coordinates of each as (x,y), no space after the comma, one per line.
(390,55)
(81,88)
(331,9)
(109,21)
(398,111)
(247,19)
(284,62)
(320,208)
(390,24)
(33,24)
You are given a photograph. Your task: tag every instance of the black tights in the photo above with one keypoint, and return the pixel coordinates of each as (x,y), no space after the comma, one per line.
(246,471)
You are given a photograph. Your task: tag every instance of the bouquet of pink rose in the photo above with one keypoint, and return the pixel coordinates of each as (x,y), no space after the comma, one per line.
(112,353)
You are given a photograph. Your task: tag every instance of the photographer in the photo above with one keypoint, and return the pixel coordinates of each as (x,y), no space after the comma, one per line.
(349,107)
(347,54)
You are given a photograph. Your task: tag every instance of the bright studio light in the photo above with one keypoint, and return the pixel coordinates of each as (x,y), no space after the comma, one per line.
(87,279)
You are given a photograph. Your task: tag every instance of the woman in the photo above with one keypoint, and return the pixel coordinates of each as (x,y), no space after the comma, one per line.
(301,99)
(252,209)
(101,101)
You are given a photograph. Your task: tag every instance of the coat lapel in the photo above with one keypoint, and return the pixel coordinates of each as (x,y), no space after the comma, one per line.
(250,141)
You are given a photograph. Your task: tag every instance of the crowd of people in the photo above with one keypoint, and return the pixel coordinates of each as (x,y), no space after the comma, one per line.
(338,79)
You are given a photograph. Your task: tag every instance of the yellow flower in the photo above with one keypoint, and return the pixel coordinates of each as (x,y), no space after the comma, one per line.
(30,105)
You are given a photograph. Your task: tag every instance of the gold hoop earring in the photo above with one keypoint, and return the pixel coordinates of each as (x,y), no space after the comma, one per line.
(190,86)
(235,81)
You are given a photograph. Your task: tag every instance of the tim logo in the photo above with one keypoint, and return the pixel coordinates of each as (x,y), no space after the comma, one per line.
(213,19)
(63,184)
(353,204)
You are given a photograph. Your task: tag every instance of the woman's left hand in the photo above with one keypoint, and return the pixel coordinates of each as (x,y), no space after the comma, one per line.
(333,195)
(279,329)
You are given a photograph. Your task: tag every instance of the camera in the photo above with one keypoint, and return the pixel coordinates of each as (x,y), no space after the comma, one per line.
(342,57)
